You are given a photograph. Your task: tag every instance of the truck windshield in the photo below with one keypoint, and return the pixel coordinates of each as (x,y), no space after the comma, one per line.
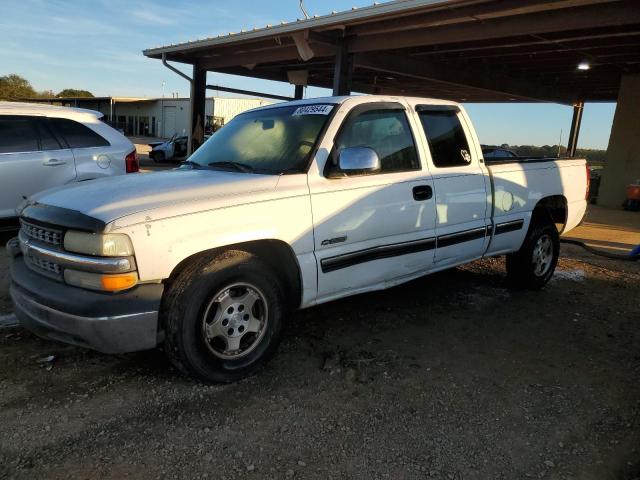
(273,141)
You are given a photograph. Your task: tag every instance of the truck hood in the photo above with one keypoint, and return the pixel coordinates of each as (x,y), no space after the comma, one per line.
(109,199)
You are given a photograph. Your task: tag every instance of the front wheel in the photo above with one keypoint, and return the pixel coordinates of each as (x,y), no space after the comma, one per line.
(223,316)
(533,265)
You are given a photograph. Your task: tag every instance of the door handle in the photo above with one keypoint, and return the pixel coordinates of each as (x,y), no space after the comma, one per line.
(53,162)
(422,192)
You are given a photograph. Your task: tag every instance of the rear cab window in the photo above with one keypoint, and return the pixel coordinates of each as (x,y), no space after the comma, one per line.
(445,135)
(17,134)
(76,134)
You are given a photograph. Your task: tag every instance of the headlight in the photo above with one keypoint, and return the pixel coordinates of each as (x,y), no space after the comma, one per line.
(99,245)
(98,281)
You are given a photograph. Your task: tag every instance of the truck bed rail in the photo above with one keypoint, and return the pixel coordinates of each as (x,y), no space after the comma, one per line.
(504,160)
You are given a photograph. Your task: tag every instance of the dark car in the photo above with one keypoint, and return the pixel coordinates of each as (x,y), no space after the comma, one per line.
(495,152)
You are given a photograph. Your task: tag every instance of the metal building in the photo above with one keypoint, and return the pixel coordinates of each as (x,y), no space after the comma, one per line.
(158,117)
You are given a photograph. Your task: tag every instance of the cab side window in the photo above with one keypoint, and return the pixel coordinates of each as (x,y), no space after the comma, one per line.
(17,134)
(385,131)
(447,140)
(76,134)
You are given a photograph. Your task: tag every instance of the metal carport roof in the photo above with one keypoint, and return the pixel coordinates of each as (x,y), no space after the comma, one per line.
(463,50)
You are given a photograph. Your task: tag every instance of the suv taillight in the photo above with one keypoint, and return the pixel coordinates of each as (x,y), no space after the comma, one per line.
(588,183)
(131,162)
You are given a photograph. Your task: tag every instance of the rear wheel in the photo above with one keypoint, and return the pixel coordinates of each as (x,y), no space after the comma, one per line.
(223,316)
(533,265)
(158,157)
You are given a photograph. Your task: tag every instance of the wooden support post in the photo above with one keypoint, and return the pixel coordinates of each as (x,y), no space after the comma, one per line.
(343,69)
(575,129)
(198,91)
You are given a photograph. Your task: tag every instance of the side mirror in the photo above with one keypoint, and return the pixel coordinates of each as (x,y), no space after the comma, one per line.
(358,160)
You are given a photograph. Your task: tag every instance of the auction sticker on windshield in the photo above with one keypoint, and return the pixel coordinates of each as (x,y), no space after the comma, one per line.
(313,110)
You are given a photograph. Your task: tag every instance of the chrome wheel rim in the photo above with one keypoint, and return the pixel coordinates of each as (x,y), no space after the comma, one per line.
(542,256)
(235,321)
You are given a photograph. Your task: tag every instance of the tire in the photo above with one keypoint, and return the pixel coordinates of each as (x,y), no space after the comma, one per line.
(533,265)
(158,157)
(210,312)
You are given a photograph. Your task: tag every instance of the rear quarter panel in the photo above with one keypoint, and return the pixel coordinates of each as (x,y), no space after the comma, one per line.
(518,187)
(99,162)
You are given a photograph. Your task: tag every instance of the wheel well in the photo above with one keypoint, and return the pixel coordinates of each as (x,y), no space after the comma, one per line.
(277,254)
(555,207)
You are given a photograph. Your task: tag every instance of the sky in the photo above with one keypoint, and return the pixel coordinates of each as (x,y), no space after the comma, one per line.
(97,45)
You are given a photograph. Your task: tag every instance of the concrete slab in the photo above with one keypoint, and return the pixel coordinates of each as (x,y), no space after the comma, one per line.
(615,231)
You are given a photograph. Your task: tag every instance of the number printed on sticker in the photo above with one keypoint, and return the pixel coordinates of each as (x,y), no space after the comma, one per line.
(313,110)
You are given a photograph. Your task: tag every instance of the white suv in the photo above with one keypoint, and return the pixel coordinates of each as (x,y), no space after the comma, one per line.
(43,146)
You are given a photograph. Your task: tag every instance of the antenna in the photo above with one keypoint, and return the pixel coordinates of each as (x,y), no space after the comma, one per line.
(560,144)
(304,11)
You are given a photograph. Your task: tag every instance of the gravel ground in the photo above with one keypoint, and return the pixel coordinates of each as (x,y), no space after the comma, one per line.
(5,302)
(451,377)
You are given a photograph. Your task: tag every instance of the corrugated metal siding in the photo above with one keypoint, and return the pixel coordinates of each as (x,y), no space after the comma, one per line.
(228,108)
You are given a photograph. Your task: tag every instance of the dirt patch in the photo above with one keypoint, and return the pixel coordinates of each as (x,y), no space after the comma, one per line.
(453,376)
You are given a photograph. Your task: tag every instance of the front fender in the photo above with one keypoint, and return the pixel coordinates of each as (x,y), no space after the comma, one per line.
(161,244)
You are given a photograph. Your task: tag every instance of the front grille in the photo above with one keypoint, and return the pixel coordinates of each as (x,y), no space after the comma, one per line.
(44,266)
(46,235)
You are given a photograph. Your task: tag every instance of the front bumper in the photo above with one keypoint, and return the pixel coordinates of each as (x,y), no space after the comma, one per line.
(110,323)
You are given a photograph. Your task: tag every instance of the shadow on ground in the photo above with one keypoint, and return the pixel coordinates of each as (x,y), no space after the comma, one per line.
(453,376)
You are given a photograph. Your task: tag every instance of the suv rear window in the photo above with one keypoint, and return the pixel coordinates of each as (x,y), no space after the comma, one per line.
(77,135)
(17,135)
(48,140)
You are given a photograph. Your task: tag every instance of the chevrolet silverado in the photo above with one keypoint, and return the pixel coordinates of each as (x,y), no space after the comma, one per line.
(286,207)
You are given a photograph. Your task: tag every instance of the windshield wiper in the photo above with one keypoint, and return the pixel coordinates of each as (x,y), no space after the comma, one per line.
(191,164)
(289,170)
(240,167)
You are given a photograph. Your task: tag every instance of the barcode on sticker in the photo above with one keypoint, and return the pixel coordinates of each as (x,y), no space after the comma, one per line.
(313,110)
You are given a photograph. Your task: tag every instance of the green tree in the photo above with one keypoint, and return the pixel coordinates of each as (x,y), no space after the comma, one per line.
(72,92)
(593,155)
(14,87)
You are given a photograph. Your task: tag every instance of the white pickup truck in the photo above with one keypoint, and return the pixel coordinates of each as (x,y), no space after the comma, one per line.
(286,207)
